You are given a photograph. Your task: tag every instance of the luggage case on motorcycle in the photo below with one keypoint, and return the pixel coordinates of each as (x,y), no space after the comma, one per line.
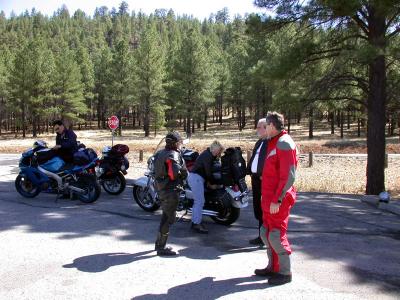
(233,166)
(189,157)
(84,156)
(119,149)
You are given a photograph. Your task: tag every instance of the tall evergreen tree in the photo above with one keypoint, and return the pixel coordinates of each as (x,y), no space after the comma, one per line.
(121,80)
(68,87)
(191,85)
(150,70)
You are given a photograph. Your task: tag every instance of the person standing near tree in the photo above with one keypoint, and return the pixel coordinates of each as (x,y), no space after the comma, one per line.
(278,197)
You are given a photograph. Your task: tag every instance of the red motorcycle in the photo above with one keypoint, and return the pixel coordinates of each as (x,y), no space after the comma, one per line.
(112,168)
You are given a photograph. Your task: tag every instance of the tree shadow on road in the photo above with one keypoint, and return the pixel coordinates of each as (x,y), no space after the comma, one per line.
(101,262)
(362,241)
(209,289)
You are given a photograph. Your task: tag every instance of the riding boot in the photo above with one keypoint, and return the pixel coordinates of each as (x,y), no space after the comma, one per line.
(160,245)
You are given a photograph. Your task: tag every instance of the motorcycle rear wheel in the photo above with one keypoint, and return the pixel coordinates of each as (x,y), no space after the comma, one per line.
(91,187)
(115,185)
(228,216)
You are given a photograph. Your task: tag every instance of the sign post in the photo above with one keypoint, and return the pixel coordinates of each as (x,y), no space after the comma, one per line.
(113,123)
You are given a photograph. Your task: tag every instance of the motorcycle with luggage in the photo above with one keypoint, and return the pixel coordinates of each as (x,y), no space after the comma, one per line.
(223,204)
(41,170)
(112,168)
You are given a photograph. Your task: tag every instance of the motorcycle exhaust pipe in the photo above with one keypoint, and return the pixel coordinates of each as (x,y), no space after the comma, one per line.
(207,212)
(52,175)
(76,189)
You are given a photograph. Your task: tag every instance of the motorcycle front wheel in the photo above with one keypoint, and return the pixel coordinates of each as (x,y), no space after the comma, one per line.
(25,187)
(144,199)
(115,185)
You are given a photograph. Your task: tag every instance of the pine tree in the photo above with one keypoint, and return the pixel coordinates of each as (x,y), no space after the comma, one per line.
(191,80)
(150,70)
(120,87)
(68,87)
(87,72)
(30,82)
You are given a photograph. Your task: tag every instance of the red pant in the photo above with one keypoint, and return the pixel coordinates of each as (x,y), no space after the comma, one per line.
(276,225)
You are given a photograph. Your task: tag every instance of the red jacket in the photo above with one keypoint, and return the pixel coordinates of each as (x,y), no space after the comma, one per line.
(279,170)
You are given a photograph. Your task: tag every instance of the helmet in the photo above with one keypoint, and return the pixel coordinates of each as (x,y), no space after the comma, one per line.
(173,137)
(106,149)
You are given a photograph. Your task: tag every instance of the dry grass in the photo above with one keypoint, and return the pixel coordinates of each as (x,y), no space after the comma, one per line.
(329,174)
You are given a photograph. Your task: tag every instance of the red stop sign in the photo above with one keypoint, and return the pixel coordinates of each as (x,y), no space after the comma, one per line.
(113,122)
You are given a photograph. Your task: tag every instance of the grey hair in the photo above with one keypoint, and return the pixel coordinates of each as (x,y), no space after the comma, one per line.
(276,119)
(216,146)
(262,121)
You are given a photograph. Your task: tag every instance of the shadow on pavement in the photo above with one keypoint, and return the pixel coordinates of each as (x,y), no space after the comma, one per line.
(209,289)
(101,262)
(325,227)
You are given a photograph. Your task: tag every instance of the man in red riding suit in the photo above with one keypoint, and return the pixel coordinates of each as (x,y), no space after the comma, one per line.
(278,196)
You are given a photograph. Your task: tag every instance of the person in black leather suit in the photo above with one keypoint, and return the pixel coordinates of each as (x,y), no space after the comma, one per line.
(170,171)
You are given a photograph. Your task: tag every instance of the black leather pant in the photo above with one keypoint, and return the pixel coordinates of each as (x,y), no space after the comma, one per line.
(169,203)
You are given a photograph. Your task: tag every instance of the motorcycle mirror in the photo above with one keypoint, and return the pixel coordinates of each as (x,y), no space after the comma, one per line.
(185,141)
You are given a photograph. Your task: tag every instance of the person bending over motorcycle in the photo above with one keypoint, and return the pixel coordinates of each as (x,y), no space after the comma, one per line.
(170,171)
(202,174)
(66,144)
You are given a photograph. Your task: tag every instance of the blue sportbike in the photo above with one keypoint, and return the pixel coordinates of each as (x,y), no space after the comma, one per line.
(52,175)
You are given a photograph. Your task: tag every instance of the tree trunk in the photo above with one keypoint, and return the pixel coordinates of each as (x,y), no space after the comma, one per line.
(288,122)
(205,121)
(348,118)
(23,121)
(359,127)
(341,124)
(146,117)
(311,123)
(332,120)
(376,143)
(34,126)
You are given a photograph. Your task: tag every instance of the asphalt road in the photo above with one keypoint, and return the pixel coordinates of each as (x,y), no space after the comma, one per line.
(343,249)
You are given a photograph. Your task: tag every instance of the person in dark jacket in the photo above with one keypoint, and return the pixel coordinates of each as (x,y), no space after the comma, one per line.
(170,171)
(200,175)
(255,169)
(66,144)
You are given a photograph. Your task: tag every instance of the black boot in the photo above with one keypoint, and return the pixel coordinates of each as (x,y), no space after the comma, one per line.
(258,240)
(266,272)
(279,279)
(160,245)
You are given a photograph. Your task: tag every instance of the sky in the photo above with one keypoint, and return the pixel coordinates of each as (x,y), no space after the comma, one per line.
(199,9)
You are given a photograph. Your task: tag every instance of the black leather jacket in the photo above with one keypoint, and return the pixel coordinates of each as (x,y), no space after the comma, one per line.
(261,157)
(204,166)
(169,169)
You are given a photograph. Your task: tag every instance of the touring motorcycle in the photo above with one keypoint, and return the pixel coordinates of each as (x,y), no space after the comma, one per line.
(223,204)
